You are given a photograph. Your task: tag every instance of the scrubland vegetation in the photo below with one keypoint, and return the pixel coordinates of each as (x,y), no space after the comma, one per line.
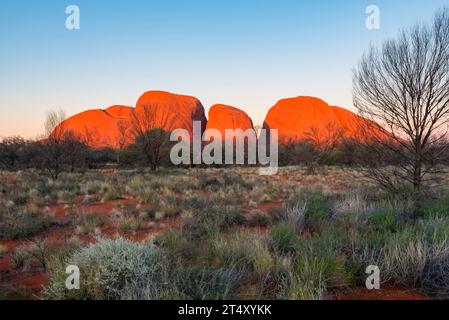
(216,234)
(308,232)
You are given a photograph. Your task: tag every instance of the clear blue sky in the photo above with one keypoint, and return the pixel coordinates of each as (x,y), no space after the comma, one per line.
(247,53)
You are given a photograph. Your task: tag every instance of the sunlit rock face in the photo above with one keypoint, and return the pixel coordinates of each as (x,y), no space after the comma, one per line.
(115,126)
(223,117)
(100,128)
(171,111)
(297,119)
(309,118)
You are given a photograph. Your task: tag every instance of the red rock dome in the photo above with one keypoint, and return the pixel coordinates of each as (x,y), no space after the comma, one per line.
(120,112)
(98,128)
(170,111)
(115,126)
(303,118)
(295,118)
(222,117)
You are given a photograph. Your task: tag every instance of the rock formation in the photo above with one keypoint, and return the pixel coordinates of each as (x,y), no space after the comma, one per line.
(309,118)
(222,117)
(116,126)
(299,118)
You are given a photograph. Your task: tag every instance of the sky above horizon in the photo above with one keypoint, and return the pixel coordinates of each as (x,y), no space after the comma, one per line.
(244,53)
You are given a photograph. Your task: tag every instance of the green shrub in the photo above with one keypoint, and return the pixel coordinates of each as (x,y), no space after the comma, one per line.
(113,194)
(276,213)
(317,206)
(305,290)
(20,223)
(439,208)
(384,220)
(130,224)
(205,181)
(258,218)
(232,178)
(177,246)
(172,211)
(20,199)
(87,222)
(435,229)
(411,257)
(284,237)
(307,281)
(19,257)
(243,250)
(209,221)
(120,269)
(108,270)
(68,197)
(202,283)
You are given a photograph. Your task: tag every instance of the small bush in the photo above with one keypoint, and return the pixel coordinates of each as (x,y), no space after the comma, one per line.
(120,269)
(439,208)
(109,268)
(67,197)
(87,222)
(21,223)
(384,220)
(212,220)
(202,283)
(131,224)
(113,194)
(19,257)
(258,218)
(284,237)
(317,206)
(244,250)
(232,178)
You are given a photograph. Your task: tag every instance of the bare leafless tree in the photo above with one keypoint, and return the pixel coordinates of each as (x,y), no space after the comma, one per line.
(10,151)
(53,156)
(61,147)
(75,150)
(151,125)
(123,137)
(323,143)
(404,87)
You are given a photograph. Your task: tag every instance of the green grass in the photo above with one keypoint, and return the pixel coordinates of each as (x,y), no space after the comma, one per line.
(284,237)
(439,208)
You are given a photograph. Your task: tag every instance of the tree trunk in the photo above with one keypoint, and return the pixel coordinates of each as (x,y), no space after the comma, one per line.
(417,170)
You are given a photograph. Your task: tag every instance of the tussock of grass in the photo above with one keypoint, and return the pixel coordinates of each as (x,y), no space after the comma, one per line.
(19,223)
(87,222)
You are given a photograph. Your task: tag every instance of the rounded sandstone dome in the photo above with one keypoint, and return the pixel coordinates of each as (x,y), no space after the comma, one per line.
(98,128)
(170,111)
(309,118)
(120,112)
(222,117)
(115,126)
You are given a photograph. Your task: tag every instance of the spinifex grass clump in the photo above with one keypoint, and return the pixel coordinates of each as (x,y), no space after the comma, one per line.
(20,222)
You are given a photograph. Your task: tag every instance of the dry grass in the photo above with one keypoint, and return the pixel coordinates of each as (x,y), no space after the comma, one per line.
(231,233)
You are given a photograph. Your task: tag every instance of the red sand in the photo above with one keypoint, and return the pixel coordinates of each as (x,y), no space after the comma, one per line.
(387,292)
